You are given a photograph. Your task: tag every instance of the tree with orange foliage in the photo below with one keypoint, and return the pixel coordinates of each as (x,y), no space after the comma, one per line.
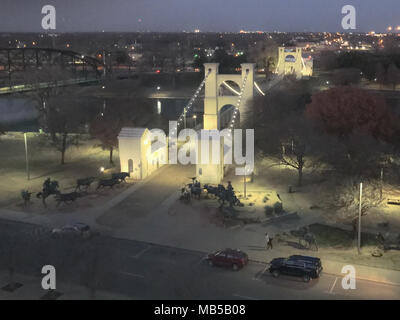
(347,110)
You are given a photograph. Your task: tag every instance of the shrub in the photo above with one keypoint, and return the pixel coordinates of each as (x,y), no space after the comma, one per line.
(278,207)
(268,210)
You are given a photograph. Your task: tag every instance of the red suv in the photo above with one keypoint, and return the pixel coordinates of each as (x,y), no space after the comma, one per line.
(230,258)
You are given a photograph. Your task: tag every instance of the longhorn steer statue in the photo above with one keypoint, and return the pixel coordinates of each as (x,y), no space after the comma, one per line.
(107,183)
(67,197)
(86,182)
(121,176)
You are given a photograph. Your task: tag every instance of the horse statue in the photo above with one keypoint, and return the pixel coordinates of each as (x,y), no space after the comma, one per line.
(195,188)
(310,240)
(185,195)
(49,188)
(223,194)
(307,237)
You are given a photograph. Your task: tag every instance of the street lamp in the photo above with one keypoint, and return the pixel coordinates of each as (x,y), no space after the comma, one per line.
(26,156)
(246,170)
(359,220)
(194,117)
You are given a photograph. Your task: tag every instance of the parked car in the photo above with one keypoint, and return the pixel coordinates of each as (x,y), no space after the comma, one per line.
(229,258)
(74,229)
(299,266)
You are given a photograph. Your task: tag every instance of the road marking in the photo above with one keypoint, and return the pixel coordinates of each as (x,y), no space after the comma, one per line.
(333,286)
(258,276)
(136,256)
(244,297)
(132,274)
(201,260)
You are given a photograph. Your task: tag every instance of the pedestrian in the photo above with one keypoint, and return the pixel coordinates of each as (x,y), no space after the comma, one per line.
(266,240)
(269,245)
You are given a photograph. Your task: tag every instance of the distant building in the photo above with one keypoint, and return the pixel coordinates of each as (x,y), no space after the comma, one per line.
(291,61)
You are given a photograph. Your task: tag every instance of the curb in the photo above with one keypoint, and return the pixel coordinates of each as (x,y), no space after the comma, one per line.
(341,274)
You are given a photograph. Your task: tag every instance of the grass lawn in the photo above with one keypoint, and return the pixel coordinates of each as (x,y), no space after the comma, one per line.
(328,236)
(81,161)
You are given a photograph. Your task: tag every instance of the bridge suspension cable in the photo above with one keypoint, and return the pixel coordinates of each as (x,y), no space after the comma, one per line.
(233,119)
(258,88)
(230,88)
(182,117)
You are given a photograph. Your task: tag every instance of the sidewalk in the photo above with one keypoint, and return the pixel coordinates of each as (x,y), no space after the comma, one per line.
(88,216)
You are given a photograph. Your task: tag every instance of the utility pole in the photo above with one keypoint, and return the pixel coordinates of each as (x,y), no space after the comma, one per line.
(381,191)
(26,157)
(359,220)
(104,64)
(244,184)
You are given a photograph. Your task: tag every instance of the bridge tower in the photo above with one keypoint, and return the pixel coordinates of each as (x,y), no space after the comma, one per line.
(291,61)
(214,103)
(214,100)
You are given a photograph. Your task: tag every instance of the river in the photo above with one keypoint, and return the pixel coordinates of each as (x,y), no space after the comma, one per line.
(19,114)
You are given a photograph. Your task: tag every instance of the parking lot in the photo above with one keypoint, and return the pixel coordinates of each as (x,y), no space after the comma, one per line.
(140,270)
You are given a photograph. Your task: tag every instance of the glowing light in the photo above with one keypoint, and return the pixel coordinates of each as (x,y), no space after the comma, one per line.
(258,88)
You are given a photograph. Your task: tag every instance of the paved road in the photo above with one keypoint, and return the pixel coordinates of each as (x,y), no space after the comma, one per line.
(145,271)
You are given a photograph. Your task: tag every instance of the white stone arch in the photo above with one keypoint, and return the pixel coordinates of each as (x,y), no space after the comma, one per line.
(222,86)
(213,102)
(291,61)
(225,114)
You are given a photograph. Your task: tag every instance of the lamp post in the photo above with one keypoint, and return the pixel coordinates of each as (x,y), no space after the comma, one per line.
(381,185)
(244,185)
(359,220)
(26,156)
(194,117)
(245,182)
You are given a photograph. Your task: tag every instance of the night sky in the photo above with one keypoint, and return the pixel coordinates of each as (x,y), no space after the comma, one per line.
(206,15)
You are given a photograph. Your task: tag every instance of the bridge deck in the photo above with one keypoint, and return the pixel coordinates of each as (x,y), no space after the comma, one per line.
(43,85)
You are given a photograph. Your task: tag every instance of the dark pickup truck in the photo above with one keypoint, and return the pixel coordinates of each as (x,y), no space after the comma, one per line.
(299,266)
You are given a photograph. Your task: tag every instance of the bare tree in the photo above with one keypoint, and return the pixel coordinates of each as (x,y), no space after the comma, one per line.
(65,120)
(345,199)
(283,133)
(265,55)
(129,108)
(393,75)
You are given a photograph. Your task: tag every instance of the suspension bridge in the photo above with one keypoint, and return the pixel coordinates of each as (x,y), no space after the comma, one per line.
(222,110)
(217,103)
